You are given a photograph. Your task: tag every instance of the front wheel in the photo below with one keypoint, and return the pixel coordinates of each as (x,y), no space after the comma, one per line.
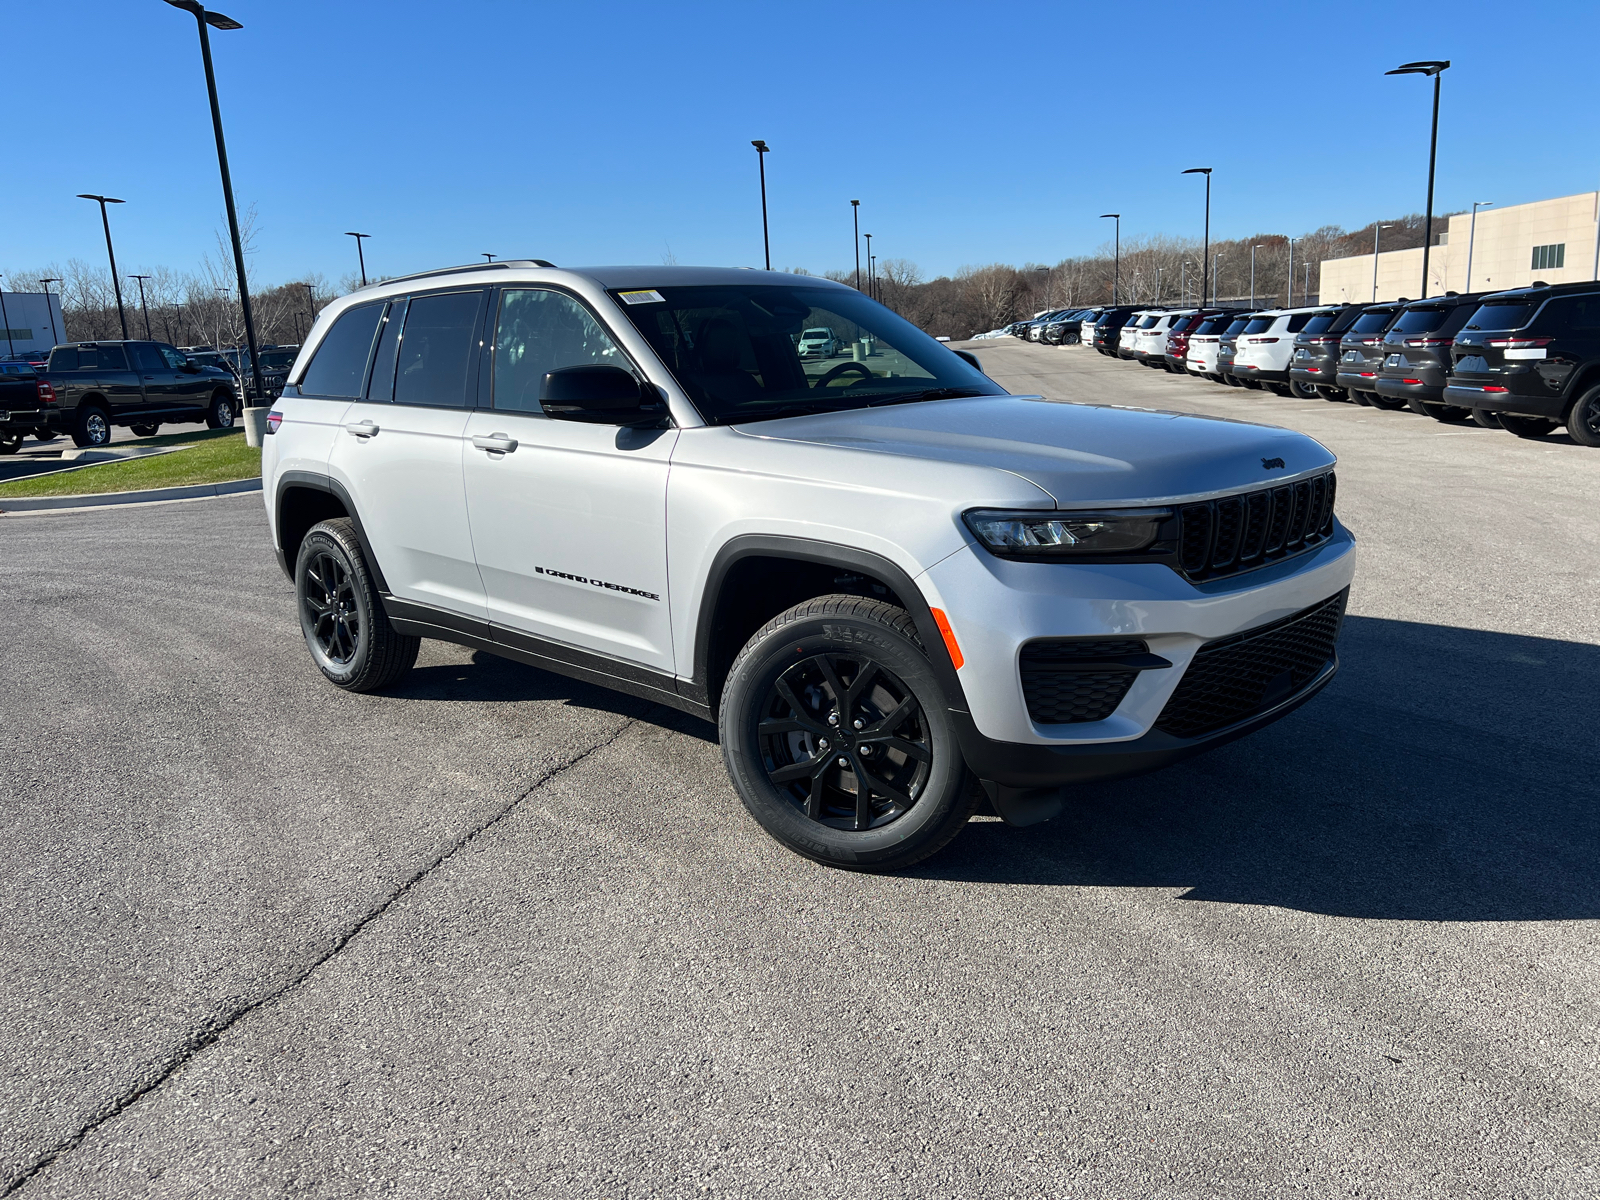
(838,737)
(342,615)
(1583,422)
(220,414)
(10,443)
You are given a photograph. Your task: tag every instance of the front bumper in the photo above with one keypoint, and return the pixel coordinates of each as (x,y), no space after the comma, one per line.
(996,606)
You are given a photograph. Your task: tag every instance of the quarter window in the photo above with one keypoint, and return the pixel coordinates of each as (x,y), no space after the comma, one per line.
(1548,258)
(539,331)
(436,349)
(340,365)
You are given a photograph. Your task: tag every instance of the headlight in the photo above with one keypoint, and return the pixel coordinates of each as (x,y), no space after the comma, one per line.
(1063,534)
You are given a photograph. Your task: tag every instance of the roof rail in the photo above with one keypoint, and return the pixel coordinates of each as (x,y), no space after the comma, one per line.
(489,266)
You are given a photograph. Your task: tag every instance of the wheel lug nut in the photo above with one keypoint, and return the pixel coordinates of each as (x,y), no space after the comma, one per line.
(844,762)
(823,744)
(860,724)
(866,750)
(833,718)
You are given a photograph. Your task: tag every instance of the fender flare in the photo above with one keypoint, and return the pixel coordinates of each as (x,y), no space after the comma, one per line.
(829,554)
(323,483)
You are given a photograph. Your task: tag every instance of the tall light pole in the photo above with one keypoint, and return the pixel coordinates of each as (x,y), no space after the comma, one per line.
(6,321)
(1253,250)
(855,216)
(1472,232)
(1377,230)
(1205,253)
(1216,269)
(311,303)
(360,257)
(143,307)
(1158,286)
(1305,290)
(116,283)
(1435,68)
(1288,281)
(868,236)
(1116,262)
(761,164)
(45,284)
(203,18)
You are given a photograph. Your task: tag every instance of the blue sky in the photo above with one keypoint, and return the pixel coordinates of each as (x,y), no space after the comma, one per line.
(604,133)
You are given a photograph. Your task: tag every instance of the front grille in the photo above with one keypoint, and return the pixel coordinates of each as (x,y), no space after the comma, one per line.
(1066,683)
(1239,533)
(1237,676)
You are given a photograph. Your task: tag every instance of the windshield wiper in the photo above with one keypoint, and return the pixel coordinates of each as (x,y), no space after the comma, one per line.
(944,393)
(797,409)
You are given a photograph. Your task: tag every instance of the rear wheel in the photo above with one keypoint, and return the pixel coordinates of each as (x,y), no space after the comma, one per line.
(1357,397)
(45,434)
(1279,389)
(220,414)
(837,735)
(341,614)
(91,426)
(145,430)
(1302,391)
(1333,393)
(1439,412)
(1489,420)
(10,443)
(1583,422)
(1528,427)
(1385,402)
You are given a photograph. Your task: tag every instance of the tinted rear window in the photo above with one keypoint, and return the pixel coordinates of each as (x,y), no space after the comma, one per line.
(1420,320)
(340,365)
(1260,324)
(1502,316)
(1320,322)
(1372,322)
(1212,325)
(1148,322)
(1237,325)
(1181,323)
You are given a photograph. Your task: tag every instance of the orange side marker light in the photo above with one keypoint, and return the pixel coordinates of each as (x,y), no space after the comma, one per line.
(949,636)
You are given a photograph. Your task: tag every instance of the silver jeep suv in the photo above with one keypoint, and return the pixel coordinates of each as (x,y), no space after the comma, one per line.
(893,585)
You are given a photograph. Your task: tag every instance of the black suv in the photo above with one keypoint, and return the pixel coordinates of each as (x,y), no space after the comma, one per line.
(1109,326)
(1532,357)
(144,385)
(1361,354)
(1416,361)
(1316,353)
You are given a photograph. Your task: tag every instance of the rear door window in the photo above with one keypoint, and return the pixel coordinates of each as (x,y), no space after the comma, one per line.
(1571,312)
(436,349)
(112,358)
(339,367)
(147,358)
(382,386)
(1298,321)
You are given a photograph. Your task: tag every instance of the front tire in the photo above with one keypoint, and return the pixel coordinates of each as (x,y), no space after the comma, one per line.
(838,738)
(1583,422)
(10,443)
(220,414)
(91,426)
(342,615)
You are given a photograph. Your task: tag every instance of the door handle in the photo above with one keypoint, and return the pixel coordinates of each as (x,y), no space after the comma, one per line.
(362,429)
(495,443)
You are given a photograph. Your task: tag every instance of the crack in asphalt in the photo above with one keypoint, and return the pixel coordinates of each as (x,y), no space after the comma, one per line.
(213,1029)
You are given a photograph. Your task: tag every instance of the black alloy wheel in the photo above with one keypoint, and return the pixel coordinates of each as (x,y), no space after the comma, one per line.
(342,615)
(1583,422)
(329,611)
(846,741)
(837,734)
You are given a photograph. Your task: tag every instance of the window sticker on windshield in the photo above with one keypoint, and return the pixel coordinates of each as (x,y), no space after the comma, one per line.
(645,297)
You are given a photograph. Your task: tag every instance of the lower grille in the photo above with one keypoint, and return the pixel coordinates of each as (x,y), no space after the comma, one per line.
(1067,683)
(1238,676)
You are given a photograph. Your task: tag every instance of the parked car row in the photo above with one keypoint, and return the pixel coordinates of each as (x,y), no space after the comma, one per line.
(1527,360)
(1061,327)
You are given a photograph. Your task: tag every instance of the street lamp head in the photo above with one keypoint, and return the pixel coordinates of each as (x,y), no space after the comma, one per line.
(214,19)
(1103,216)
(1197,171)
(1429,67)
(855,204)
(761,146)
(102,199)
(352,233)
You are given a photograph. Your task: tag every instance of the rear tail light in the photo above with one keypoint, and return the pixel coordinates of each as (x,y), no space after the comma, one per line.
(274,419)
(1319,341)
(1516,343)
(1416,381)
(1430,341)
(1367,374)
(1493,389)
(47,394)
(1261,341)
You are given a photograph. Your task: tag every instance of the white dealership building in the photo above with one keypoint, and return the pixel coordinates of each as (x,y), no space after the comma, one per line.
(30,321)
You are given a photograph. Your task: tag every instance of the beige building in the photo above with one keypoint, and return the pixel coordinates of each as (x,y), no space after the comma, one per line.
(1551,240)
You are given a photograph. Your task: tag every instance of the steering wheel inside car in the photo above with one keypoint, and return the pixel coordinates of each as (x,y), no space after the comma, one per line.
(824,380)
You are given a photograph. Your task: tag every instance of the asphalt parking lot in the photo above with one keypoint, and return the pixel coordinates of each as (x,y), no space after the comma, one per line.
(497,933)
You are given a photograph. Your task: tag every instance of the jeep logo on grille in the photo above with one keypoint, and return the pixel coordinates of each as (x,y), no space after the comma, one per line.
(1271,463)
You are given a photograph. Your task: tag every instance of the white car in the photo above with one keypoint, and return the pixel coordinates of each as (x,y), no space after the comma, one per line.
(819,343)
(1128,336)
(1150,347)
(1204,342)
(1266,347)
(894,586)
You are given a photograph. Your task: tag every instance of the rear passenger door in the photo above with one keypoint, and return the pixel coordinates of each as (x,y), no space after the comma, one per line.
(162,389)
(399,452)
(119,383)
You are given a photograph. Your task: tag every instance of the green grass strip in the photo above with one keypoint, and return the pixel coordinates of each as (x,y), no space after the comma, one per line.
(219,457)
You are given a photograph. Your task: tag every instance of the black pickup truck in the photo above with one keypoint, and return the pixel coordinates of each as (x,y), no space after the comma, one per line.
(144,385)
(24,400)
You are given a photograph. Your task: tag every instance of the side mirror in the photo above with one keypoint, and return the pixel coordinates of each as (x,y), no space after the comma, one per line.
(971,358)
(600,394)
(190,368)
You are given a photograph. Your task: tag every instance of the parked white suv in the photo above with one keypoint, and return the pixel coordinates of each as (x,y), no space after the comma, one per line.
(819,343)
(1265,348)
(888,581)
(1150,347)
(1128,337)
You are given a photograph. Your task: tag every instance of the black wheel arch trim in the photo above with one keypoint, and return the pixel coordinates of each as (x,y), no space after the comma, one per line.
(323,483)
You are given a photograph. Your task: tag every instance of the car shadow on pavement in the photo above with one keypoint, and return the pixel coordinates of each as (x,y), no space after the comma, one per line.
(1446,775)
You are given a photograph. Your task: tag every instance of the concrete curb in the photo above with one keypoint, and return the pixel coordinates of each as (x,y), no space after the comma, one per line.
(192,492)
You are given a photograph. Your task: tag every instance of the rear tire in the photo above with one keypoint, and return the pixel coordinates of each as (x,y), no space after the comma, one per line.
(342,615)
(91,426)
(10,443)
(1357,397)
(1439,412)
(834,695)
(1388,403)
(1279,389)
(45,434)
(1528,427)
(145,431)
(1487,419)
(1302,391)
(220,414)
(1583,422)
(1332,394)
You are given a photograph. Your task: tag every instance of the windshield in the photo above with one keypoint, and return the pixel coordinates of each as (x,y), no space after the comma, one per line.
(272,360)
(1502,316)
(734,348)
(1372,322)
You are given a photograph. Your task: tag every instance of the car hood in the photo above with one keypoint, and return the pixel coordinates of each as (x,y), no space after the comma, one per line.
(1078,453)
